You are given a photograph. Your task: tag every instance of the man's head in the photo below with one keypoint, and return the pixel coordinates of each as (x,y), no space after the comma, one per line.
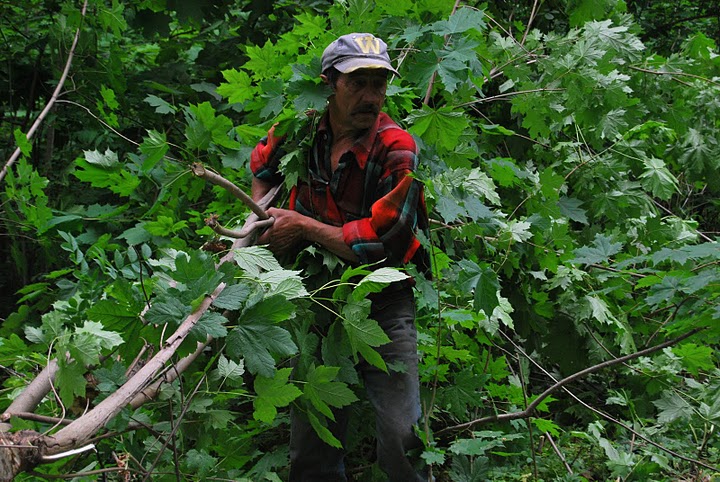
(356,67)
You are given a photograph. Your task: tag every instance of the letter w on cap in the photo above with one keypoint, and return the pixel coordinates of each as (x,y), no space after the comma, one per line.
(368,43)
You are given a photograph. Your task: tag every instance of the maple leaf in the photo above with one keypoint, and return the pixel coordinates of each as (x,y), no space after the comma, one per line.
(601,250)
(273,392)
(323,392)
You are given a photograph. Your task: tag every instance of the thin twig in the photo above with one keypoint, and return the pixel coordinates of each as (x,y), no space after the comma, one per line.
(175,429)
(509,94)
(533,13)
(561,384)
(618,422)
(428,93)
(559,454)
(680,74)
(56,93)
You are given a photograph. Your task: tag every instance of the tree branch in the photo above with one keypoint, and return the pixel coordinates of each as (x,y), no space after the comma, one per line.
(200,171)
(56,93)
(528,412)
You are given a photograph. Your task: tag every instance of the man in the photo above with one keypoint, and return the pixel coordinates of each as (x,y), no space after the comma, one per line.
(361,203)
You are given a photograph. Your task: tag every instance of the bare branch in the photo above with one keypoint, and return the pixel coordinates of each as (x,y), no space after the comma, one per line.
(31,397)
(56,93)
(200,171)
(248,229)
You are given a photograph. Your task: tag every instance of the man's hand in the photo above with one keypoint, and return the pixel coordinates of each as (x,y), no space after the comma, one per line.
(291,227)
(285,233)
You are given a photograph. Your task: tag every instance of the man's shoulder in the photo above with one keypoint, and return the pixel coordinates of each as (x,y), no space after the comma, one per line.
(390,132)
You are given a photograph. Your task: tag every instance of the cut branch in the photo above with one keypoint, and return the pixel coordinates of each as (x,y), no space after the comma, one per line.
(25,450)
(200,171)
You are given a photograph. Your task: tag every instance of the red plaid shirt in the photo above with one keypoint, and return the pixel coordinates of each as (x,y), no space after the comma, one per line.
(370,194)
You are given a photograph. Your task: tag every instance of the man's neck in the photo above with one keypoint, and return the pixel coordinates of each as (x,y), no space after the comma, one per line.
(340,131)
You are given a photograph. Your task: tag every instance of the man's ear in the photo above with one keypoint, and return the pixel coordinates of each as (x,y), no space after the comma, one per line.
(327,82)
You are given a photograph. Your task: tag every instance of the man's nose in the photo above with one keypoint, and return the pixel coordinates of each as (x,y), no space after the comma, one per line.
(372,93)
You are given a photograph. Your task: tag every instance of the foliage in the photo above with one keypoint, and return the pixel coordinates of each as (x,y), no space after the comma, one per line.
(571,175)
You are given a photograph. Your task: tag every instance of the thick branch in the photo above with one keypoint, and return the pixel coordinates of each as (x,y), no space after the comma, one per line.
(31,397)
(56,93)
(82,429)
(200,171)
(134,392)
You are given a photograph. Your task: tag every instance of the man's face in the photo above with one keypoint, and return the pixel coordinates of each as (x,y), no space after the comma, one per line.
(359,96)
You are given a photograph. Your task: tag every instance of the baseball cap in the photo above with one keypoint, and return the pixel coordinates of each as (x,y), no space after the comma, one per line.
(357,51)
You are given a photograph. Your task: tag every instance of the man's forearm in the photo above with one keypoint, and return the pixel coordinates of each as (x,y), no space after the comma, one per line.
(259,188)
(329,237)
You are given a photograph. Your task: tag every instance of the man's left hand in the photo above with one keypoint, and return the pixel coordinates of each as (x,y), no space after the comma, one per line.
(286,232)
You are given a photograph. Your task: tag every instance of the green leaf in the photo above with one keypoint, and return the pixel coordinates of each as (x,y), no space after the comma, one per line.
(601,250)
(255,259)
(22,142)
(109,97)
(363,332)
(585,10)
(192,267)
(112,313)
(115,178)
(273,393)
(321,429)
(709,250)
(200,462)
(696,357)
(570,207)
(658,179)
(233,297)
(376,281)
(482,442)
(161,107)
(664,291)
(546,426)
(70,380)
(433,456)
(109,159)
(154,146)
(238,87)
(105,339)
(273,309)
(230,369)
(204,128)
(170,311)
(258,343)
(463,393)
(441,127)
(672,407)
(210,324)
(464,19)
(323,392)
(483,282)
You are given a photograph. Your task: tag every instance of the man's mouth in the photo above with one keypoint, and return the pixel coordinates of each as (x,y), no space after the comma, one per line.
(367,110)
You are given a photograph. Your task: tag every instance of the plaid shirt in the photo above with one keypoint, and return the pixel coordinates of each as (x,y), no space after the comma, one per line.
(370,194)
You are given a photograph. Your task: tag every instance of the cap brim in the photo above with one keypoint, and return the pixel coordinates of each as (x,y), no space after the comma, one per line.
(353,64)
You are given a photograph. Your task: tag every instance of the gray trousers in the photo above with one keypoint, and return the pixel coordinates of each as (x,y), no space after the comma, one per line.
(394,396)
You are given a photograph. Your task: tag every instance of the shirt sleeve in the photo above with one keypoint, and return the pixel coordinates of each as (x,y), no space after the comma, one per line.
(389,232)
(265,158)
